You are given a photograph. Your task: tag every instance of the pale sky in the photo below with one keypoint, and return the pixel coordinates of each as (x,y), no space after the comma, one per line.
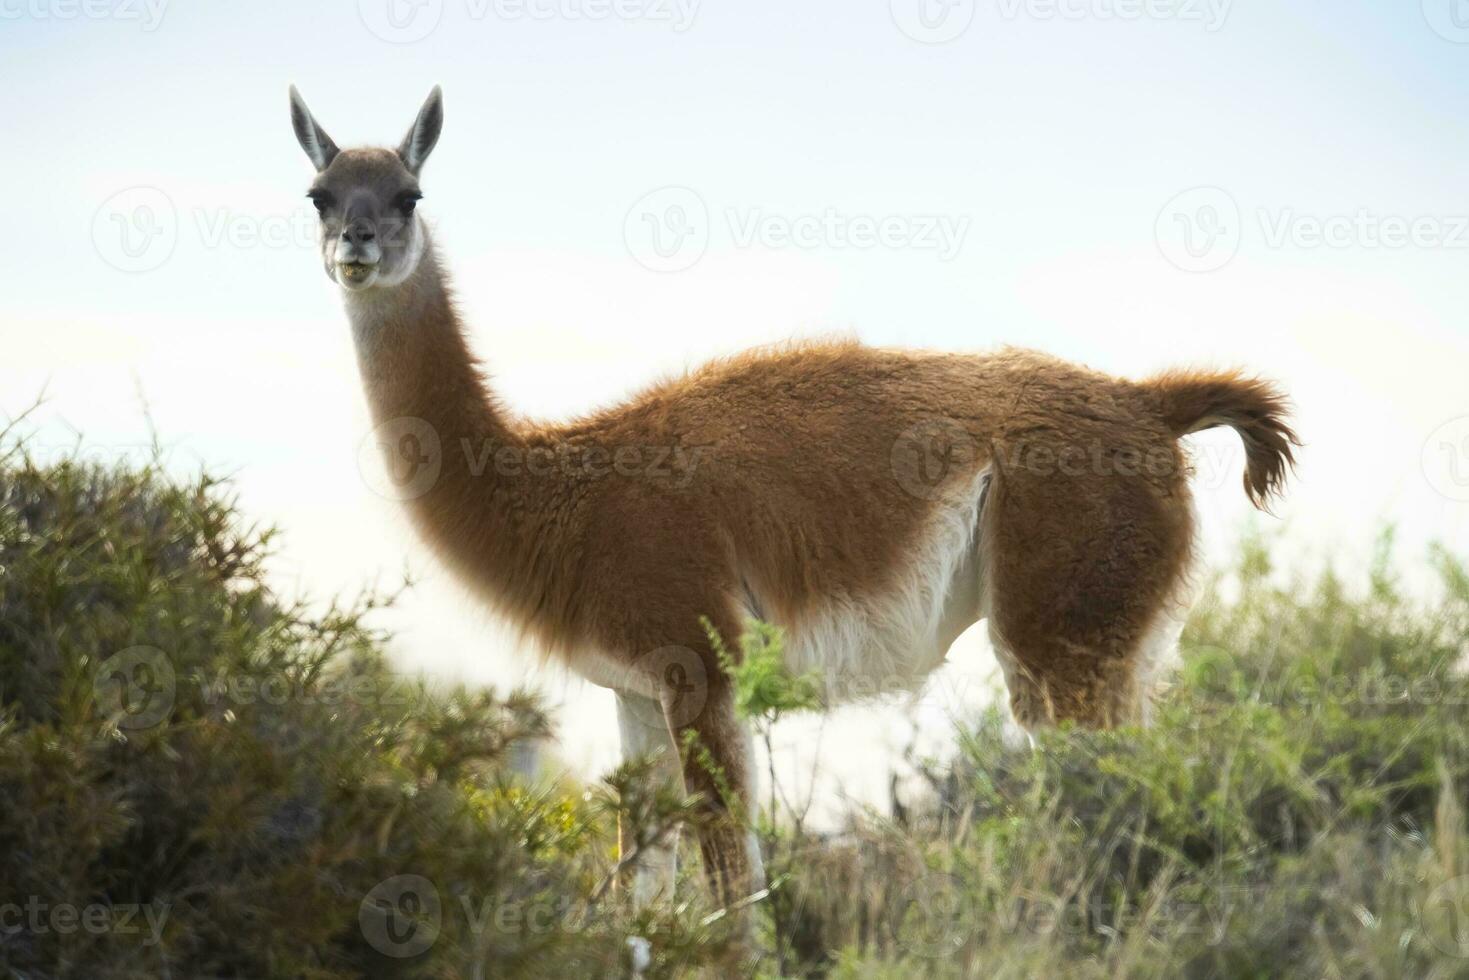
(1128,184)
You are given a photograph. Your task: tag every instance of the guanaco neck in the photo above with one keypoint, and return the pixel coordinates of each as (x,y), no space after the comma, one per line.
(493,524)
(415,362)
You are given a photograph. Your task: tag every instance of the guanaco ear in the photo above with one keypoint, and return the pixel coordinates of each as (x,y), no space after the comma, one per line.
(313,139)
(419,142)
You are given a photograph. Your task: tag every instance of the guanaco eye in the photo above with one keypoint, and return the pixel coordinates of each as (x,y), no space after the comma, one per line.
(407,201)
(321,199)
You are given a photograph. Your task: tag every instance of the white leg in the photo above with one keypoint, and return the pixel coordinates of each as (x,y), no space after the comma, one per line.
(644,731)
(752,803)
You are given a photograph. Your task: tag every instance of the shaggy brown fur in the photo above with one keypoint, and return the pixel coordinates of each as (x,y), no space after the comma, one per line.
(795,497)
(814,479)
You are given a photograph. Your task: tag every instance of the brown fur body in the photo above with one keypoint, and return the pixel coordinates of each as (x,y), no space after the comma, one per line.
(873,503)
(798,496)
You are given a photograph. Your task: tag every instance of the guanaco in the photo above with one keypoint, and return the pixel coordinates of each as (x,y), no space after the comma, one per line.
(871,503)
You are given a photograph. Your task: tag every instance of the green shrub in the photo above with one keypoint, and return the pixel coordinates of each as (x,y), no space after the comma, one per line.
(197,779)
(1296,809)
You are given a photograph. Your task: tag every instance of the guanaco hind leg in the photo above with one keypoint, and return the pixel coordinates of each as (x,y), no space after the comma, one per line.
(1084,580)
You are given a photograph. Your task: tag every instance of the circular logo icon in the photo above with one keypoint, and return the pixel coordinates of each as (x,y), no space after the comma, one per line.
(932,21)
(927,456)
(400,21)
(401,916)
(932,916)
(676,684)
(136,230)
(1199,230)
(1445,917)
(1448,18)
(1213,672)
(135,687)
(401,458)
(1446,459)
(667,230)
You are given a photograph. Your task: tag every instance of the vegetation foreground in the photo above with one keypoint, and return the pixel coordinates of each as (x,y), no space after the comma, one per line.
(199,779)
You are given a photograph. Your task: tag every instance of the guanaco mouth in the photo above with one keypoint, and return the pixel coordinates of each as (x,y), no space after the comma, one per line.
(355,271)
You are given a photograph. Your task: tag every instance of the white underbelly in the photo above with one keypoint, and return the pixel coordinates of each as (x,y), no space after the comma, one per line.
(864,646)
(858,647)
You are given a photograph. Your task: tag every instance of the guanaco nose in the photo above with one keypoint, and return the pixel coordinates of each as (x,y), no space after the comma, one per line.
(359,232)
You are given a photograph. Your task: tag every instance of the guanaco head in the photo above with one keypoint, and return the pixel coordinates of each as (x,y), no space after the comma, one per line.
(370,233)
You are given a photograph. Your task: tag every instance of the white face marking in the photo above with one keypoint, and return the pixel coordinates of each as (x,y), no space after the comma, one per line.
(360,253)
(417,242)
(361,269)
